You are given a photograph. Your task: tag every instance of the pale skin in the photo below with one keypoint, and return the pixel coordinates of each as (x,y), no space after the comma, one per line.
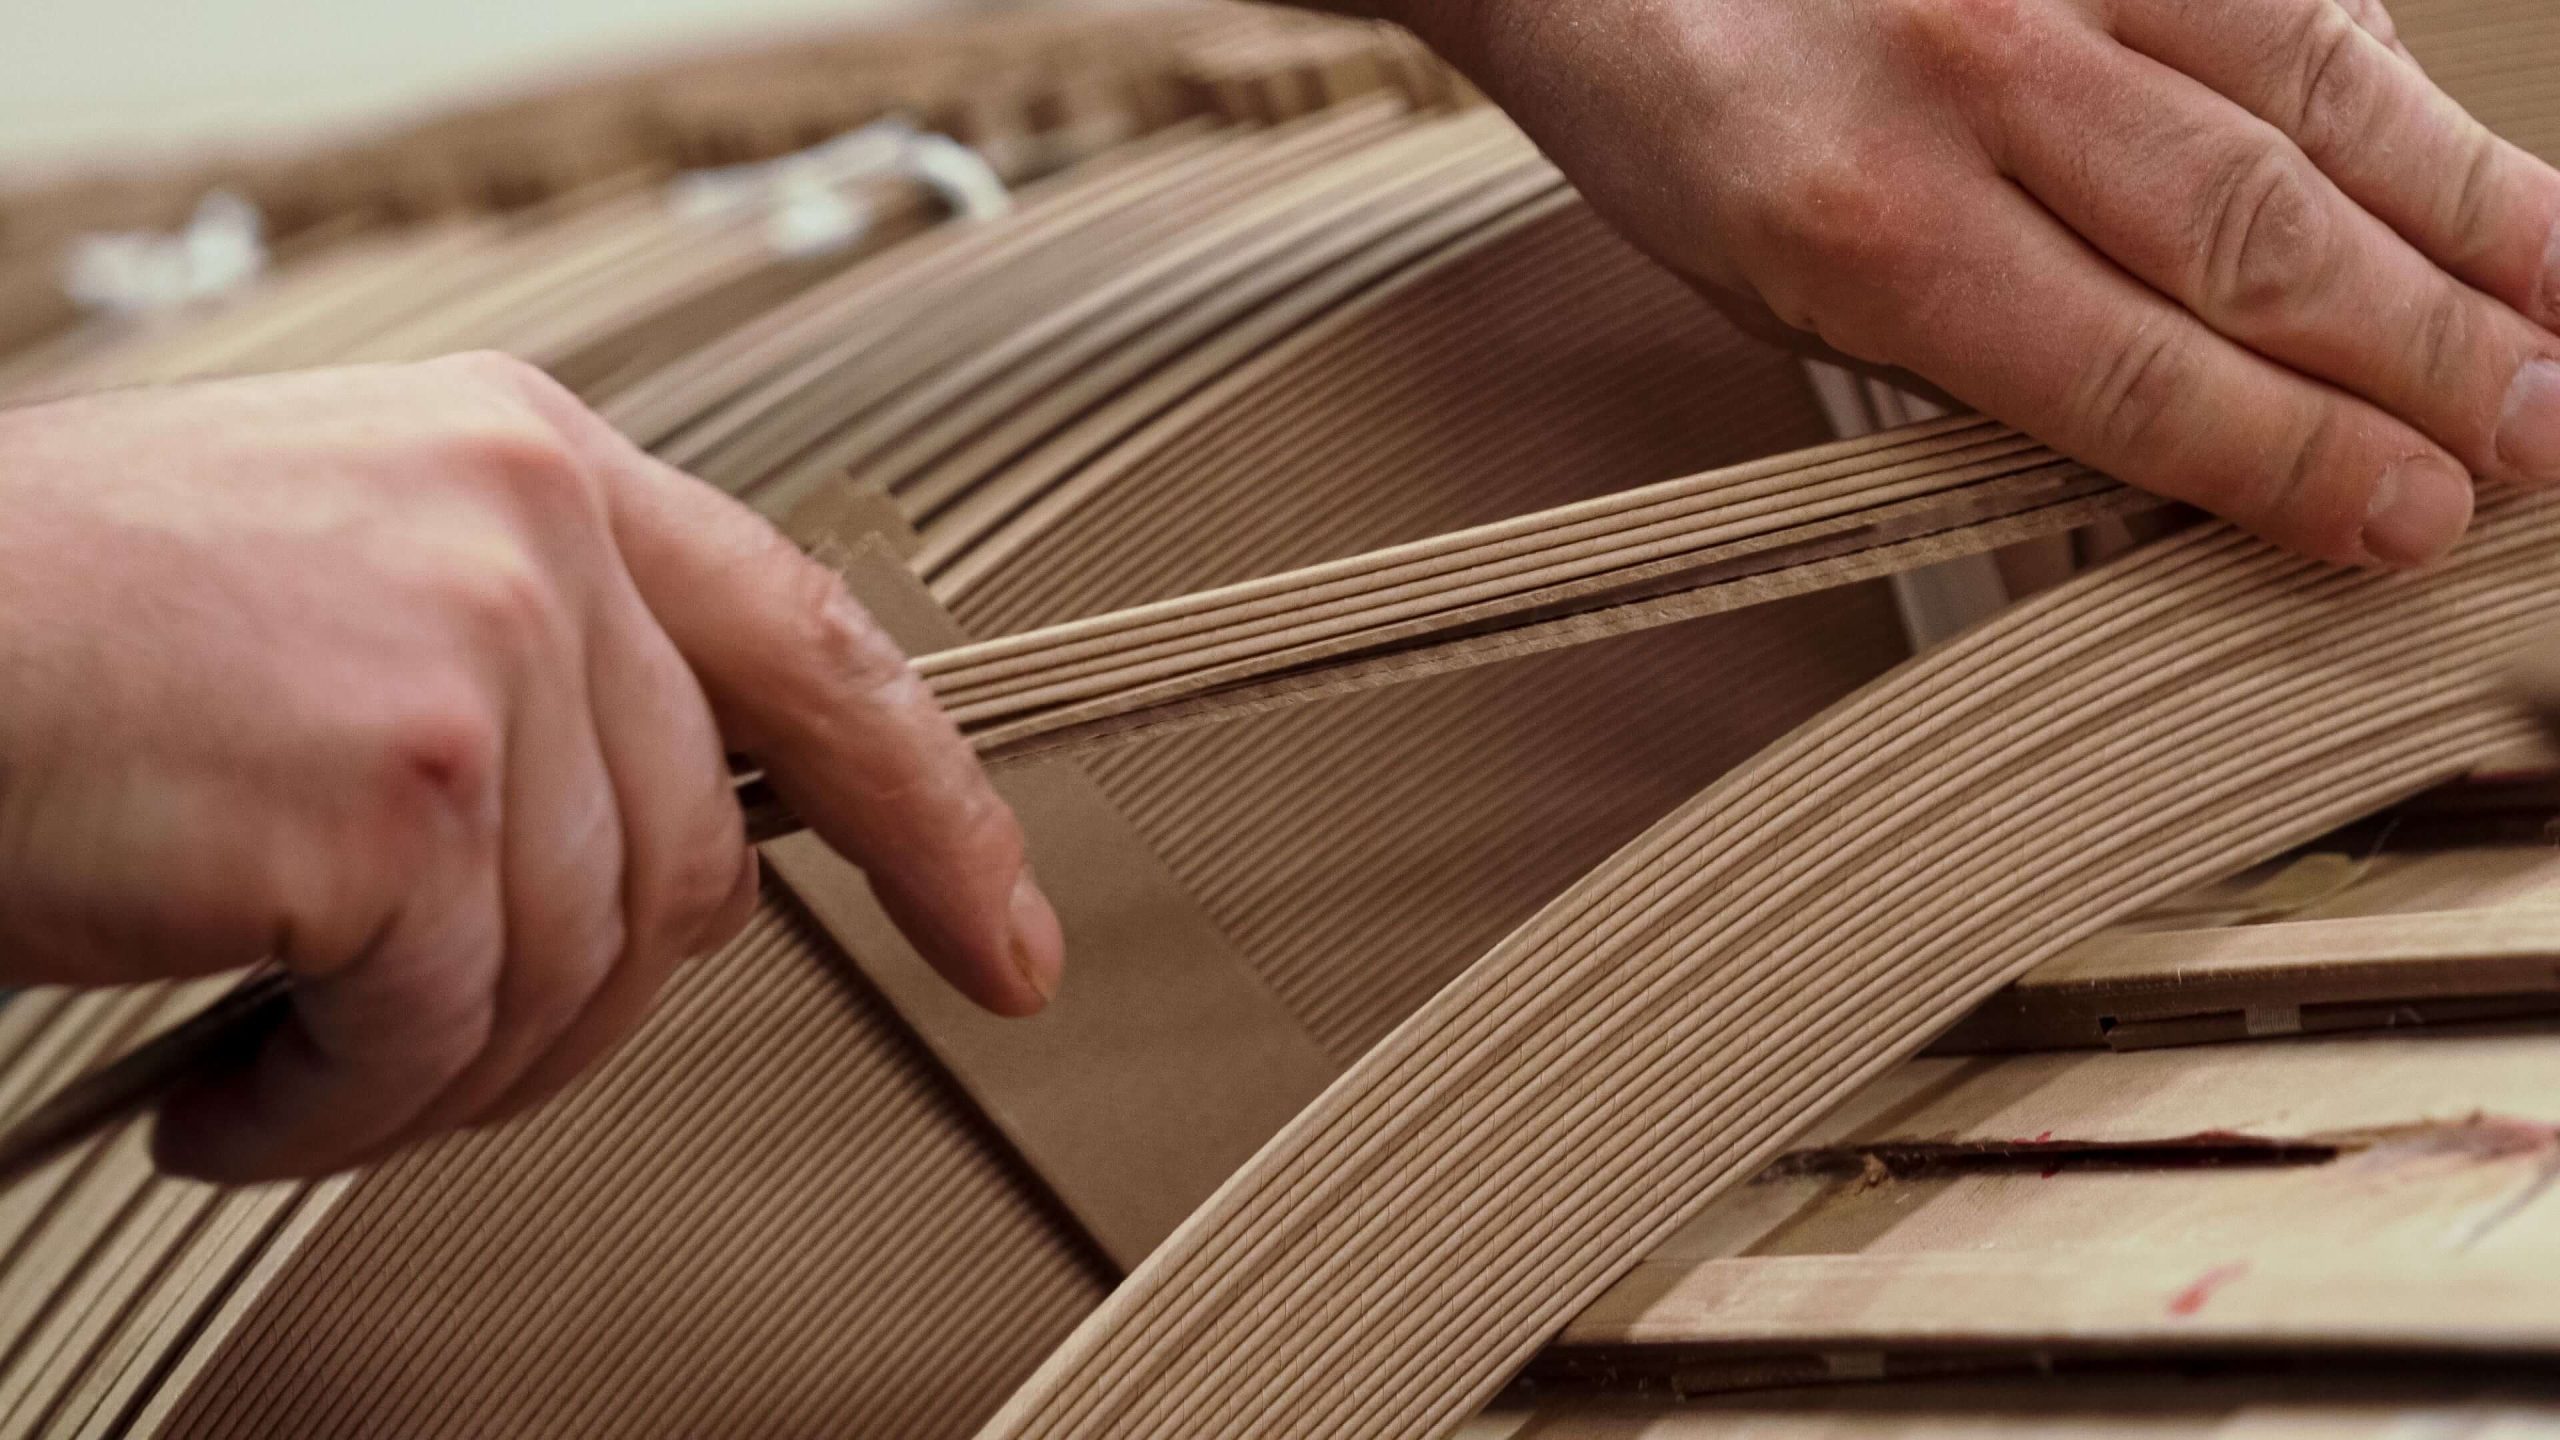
(419,679)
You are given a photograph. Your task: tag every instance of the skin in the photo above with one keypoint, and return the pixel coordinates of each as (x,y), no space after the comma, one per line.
(419,679)
(2242,253)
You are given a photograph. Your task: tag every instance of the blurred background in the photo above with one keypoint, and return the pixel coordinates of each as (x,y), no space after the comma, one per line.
(109,78)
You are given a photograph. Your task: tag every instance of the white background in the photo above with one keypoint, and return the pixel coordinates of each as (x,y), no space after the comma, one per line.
(84,79)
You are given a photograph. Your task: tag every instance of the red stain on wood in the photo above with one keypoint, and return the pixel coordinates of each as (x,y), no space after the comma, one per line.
(2190,1300)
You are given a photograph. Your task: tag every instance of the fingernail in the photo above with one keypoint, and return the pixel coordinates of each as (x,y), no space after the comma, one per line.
(2421,506)
(2551,276)
(1039,947)
(2529,428)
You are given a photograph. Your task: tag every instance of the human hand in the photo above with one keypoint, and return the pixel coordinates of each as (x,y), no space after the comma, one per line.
(2241,253)
(419,680)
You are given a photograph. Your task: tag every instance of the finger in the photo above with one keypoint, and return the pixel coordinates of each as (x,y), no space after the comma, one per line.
(2019,318)
(800,676)
(688,876)
(561,857)
(2216,209)
(858,746)
(373,1041)
(2398,146)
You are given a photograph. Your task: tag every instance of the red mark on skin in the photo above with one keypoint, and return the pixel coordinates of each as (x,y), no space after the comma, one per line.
(2190,1300)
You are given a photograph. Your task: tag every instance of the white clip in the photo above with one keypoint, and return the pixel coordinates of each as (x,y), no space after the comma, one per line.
(808,199)
(136,272)
(960,175)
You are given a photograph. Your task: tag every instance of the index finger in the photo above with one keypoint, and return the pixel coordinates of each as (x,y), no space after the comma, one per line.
(801,677)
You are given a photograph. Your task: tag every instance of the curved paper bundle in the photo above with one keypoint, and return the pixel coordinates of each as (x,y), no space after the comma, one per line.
(1657,1033)
(1750,534)
(674,1250)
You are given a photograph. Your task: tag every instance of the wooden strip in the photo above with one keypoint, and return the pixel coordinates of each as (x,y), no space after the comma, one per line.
(2262,979)
(1379,422)
(51,1359)
(2429,1157)
(2380,1299)
(2337,1403)
(2296,1090)
(2452,937)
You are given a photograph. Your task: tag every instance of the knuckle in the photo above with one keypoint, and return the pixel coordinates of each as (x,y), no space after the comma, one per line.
(448,1039)
(1965,39)
(2446,339)
(445,761)
(985,835)
(843,646)
(527,467)
(442,1028)
(1839,210)
(542,990)
(607,939)
(2266,239)
(2479,190)
(2128,400)
(2266,498)
(497,370)
(702,877)
(993,828)
(523,397)
(2458,351)
(1721,77)
(506,604)
(2335,94)
(2297,497)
